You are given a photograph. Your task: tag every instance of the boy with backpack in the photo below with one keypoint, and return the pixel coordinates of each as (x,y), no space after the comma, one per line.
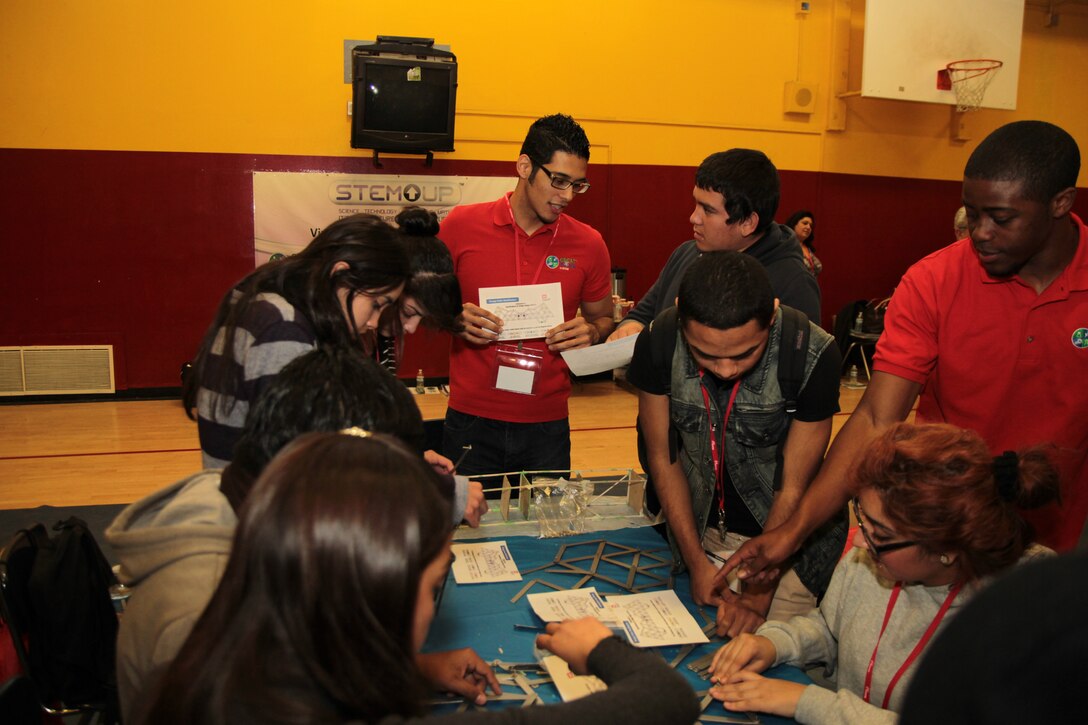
(736,397)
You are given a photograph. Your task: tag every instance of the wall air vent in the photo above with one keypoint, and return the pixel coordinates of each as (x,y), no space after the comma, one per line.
(56,370)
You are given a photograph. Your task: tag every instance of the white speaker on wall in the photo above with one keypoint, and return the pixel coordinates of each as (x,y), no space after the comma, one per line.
(799,97)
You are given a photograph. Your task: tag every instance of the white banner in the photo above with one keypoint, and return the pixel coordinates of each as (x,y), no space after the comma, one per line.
(291,208)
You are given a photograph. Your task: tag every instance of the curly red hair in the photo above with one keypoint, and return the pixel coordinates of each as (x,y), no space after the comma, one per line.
(937,486)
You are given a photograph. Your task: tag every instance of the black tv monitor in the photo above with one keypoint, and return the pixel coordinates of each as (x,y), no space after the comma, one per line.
(404,98)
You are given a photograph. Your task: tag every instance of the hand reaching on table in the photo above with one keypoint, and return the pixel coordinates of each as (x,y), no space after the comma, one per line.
(573,640)
(749,652)
(741,613)
(702,583)
(746,692)
(460,671)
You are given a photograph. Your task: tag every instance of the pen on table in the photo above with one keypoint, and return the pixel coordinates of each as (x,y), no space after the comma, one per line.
(528,628)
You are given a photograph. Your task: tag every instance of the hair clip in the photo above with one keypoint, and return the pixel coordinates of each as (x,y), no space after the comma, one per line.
(355,431)
(1006,468)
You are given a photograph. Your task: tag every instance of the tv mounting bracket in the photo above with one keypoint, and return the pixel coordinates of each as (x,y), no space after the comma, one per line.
(429,161)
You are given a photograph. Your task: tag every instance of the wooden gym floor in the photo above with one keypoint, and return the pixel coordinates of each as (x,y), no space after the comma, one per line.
(79,454)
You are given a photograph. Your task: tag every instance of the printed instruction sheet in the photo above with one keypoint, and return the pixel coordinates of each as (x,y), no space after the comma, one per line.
(649,619)
(657,619)
(490,561)
(527,311)
(570,604)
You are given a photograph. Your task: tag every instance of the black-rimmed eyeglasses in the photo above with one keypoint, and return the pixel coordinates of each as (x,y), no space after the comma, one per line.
(876,549)
(563,183)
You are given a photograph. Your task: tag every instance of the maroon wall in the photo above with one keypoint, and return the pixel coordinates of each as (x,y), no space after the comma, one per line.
(135,249)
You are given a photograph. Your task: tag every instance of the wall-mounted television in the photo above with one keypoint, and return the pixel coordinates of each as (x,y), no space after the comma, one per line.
(404,96)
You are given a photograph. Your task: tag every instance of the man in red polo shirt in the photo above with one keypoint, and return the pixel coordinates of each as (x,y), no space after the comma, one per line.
(992,331)
(509,401)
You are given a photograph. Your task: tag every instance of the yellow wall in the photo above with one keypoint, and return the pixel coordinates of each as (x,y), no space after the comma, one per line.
(266,78)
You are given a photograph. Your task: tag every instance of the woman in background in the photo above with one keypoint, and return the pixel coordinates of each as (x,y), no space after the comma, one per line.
(803,224)
(342,546)
(936,519)
(332,292)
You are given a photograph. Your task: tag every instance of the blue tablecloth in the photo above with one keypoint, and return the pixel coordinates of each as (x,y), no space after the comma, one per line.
(481,615)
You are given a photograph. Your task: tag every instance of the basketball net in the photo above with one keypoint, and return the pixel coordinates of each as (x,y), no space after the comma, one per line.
(970,78)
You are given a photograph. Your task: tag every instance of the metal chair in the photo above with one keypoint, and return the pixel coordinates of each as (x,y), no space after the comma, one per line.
(860,340)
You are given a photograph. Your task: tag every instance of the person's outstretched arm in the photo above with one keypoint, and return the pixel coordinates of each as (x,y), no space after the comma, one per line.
(675,495)
(887,400)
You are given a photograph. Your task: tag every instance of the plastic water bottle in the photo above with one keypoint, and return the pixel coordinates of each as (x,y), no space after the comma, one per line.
(858,322)
(420,388)
(852,378)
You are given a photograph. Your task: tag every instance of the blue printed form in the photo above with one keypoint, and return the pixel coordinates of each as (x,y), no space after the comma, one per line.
(649,619)
(527,311)
(480,563)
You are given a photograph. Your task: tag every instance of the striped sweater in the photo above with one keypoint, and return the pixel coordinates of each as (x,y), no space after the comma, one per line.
(271,334)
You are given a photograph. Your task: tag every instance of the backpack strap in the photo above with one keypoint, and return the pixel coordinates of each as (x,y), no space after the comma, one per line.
(662,348)
(662,331)
(792,355)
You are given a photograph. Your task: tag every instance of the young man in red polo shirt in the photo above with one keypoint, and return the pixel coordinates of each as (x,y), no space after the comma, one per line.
(992,331)
(509,401)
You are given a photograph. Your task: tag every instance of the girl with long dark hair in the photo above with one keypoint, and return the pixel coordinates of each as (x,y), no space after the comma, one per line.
(328,595)
(332,292)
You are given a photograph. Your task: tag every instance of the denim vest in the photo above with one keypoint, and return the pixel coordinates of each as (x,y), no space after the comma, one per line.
(755,435)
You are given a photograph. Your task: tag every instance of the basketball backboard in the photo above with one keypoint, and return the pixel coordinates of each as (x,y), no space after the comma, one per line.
(908,41)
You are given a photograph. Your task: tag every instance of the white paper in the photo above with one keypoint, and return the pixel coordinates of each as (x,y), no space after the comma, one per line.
(598,358)
(527,311)
(569,604)
(570,685)
(650,619)
(487,562)
(657,619)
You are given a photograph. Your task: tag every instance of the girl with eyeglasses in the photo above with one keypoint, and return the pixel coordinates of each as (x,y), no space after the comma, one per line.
(341,549)
(936,519)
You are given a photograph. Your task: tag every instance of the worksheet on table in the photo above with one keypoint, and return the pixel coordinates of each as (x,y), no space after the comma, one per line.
(490,561)
(657,619)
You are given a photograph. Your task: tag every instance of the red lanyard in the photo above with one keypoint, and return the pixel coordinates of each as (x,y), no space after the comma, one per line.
(718,461)
(517,247)
(917,648)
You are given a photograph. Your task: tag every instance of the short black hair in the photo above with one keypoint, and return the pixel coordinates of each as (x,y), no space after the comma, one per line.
(1041,155)
(747,180)
(327,389)
(558,132)
(725,290)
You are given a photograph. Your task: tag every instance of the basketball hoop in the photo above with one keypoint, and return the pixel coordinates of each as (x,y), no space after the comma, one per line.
(969,79)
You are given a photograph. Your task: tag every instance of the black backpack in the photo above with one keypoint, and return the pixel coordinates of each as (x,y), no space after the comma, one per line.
(57,595)
(792,354)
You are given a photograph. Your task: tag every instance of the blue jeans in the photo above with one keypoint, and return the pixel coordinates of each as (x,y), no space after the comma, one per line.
(499,446)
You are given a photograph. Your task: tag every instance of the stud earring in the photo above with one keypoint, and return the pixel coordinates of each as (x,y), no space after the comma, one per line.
(946,559)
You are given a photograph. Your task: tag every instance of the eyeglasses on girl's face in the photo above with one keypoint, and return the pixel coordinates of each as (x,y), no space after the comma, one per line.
(875,549)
